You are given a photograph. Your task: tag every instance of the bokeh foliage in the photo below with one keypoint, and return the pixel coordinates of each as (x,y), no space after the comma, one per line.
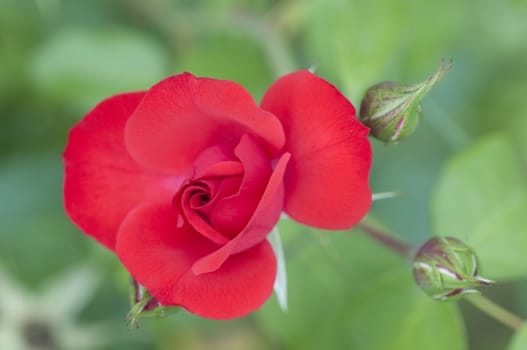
(462,174)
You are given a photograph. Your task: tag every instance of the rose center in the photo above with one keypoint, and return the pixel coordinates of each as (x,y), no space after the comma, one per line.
(203,198)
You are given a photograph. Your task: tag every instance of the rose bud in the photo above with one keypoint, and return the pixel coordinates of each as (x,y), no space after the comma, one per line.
(392,111)
(445,269)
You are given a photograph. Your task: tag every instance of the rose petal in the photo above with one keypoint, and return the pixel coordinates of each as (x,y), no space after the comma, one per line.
(189,200)
(226,188)
(269,209)
(212,158)
(194,219)
(222,169)
(102,182)
(327,178)
(242,284)
(264,218)
(232,213)
(159,255)
(183,115)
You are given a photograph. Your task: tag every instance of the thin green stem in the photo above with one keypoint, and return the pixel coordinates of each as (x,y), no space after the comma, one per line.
(385,239)
(495,311)
(487,306)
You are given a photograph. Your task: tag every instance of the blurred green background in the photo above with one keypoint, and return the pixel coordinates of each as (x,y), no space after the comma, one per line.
(58,58)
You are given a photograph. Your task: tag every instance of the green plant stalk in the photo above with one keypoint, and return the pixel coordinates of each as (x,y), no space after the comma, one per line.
(495,311)
(385,239)
(481,302)
(262,31)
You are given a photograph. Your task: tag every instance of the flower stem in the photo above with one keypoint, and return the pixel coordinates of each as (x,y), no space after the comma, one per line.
(484,304)
(385,239)
(495,311)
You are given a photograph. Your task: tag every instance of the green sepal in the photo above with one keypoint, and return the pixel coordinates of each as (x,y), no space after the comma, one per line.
(144,305)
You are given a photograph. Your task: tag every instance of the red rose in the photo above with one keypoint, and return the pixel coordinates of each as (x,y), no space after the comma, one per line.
(185,181)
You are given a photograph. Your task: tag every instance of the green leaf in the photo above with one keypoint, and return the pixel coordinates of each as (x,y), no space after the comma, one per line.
(32,219)
(519,341)
(228,57)
(391,313)
(357,42)
(481,198)
(19,29)
(82,66)
(355,294)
